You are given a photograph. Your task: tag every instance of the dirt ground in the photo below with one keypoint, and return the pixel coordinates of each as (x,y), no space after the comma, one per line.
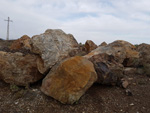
(98,99)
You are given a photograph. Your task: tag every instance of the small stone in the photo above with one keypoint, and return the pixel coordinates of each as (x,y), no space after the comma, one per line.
(130,78)
(128,92)
(131,104)
(16,102)
(129,71)
(125,83)
(34,90)
(134,83)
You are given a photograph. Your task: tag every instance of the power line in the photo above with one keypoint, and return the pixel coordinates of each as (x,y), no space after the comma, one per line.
(8,27)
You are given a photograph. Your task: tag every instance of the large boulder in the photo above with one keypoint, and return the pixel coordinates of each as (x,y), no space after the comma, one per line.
(109,72)
(69,80)
(21,43)
(108,60)
(90,45)
(144,51)
(18,68)
(124,52)
(53,46)
(121,50)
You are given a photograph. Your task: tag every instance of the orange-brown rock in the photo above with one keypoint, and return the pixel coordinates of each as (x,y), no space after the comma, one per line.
(69,80)
(90,45)
(19,69)
(23,42)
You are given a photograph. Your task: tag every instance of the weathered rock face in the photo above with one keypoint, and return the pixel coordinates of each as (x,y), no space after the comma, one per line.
(81,51)
(108,70)
(21,43)
(90,45)
(53,46)
(19,69)
(103,44)
(5,44)
(144,50)
(69,80)
(108,60)
(123,50)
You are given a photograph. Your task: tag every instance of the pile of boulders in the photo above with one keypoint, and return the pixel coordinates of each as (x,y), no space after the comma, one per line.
(69,69)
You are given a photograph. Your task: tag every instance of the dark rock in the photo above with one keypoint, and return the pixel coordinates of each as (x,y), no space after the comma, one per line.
(128,92)
(108,70)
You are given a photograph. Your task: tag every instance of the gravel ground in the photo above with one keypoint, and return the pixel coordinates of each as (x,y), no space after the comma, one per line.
(98,99)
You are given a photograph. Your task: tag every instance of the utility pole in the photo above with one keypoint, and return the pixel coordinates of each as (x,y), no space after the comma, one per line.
(8,27)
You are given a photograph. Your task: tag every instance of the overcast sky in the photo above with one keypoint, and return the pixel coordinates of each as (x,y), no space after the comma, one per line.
(97,20)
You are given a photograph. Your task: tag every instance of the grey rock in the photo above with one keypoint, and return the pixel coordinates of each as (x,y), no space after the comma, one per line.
(53,46)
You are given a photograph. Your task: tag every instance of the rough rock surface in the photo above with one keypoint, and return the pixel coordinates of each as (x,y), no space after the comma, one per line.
(19,69)
(90,45)
(5,44)
(108,61)
(53,46)
(68,81)
(21,43)
(103,44)
(144,51)
(123,50)
(108,70)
